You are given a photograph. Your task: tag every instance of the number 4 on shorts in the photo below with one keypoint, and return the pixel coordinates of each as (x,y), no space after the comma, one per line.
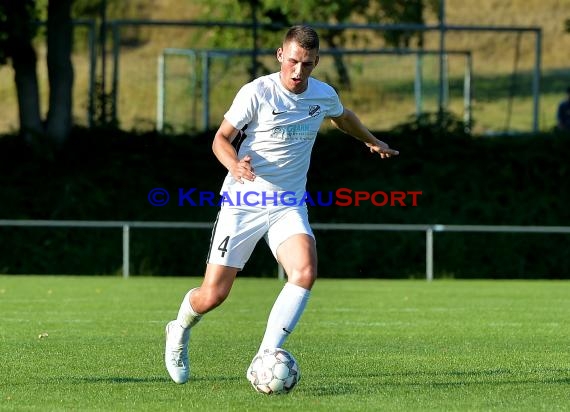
(224,245)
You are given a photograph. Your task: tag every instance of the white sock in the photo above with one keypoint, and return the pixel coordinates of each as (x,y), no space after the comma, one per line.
(187,316)
(285,314)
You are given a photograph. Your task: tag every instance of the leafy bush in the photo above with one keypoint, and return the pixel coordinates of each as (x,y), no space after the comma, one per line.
(106,175)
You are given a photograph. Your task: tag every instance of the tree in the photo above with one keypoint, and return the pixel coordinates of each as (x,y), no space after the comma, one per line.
(393,12)
(17,31)
(18,27)
(282,14)
(60,70)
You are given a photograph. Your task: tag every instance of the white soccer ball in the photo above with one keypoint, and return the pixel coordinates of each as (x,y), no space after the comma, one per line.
(274,372)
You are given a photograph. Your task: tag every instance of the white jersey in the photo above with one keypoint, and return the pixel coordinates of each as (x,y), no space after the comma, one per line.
(281,131)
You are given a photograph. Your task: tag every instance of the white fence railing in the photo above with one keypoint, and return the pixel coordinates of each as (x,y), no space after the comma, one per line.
(429,230)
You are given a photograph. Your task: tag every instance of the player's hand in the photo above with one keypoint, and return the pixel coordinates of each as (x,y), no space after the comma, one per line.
(382,149)
(243,170)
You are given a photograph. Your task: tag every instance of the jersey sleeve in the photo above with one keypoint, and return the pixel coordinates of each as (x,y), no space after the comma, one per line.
(336,108)
(243,107)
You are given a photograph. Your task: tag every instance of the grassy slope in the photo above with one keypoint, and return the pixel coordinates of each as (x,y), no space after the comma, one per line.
(361,345)
(548,15)
(496,48)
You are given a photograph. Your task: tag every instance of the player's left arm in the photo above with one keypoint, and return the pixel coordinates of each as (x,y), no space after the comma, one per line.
(350,124)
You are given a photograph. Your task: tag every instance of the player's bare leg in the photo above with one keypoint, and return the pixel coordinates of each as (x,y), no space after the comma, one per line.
(215,288)
(298,256)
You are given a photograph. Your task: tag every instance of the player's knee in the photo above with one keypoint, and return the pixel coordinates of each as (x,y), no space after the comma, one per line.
(210,299)
(304,276)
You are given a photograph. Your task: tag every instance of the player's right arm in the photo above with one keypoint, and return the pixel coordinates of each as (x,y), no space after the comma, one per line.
(226,154)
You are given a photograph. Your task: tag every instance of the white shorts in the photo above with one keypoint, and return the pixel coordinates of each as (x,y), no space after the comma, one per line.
(238,229)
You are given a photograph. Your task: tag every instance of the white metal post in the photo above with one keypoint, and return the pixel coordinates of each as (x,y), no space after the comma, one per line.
(418,83)
(160,92)
(126,245)
(536,80)
(467,114)
(206,90)
(429,254)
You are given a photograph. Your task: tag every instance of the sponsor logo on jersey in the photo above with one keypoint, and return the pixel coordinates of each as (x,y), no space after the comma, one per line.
(293,132)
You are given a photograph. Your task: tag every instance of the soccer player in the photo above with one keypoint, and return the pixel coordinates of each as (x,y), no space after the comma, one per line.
(282,112)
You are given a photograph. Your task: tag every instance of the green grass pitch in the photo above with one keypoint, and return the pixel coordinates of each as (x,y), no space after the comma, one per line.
(362,345)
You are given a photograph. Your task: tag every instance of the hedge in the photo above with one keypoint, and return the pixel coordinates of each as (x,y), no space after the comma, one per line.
(107,175)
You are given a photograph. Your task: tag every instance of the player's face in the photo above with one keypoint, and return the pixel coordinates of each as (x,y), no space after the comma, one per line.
(297,64)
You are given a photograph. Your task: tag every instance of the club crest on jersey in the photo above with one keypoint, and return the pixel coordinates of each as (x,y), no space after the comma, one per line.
(314,110)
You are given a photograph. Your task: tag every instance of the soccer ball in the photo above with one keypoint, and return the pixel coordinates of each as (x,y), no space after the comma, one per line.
(274,372)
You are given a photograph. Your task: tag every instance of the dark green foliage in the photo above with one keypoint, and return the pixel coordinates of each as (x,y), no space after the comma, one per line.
(106,175)
(15,26)
(394,12)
